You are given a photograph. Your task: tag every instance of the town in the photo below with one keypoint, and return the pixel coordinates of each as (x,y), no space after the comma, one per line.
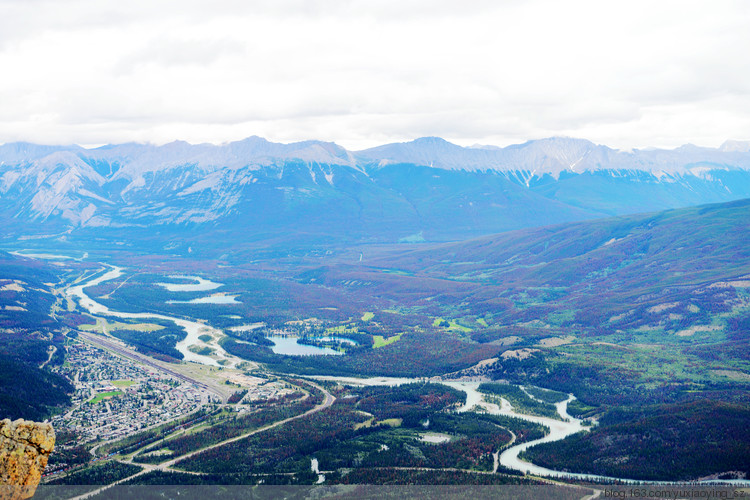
(117,396)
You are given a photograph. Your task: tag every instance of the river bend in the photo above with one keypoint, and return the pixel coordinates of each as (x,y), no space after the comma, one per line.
(194,329)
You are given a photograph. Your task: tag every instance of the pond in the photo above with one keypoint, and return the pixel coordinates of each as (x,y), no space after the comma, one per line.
(434,438)
(211,299)
(202,285)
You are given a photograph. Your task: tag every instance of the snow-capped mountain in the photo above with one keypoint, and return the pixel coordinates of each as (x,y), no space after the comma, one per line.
(555,155)
(424,189)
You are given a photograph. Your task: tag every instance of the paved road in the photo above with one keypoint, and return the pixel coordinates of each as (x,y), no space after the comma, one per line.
(327,402)
(94,449)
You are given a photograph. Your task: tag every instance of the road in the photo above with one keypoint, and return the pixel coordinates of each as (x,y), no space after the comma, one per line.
(94,449)
(328,400)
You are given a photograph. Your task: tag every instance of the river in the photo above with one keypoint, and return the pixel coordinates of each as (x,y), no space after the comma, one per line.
(194,329)
(558,429)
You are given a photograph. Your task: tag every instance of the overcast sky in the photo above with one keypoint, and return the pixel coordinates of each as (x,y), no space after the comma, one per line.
(362,73)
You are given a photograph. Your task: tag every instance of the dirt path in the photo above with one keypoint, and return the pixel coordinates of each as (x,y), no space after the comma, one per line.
(52,352)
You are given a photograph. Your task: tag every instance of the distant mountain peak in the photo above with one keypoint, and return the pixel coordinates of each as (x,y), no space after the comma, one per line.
(431,141)
(733,146)
(538,157)
(563,139)
(558,143)
(552,154)
(252,140)
(253,179)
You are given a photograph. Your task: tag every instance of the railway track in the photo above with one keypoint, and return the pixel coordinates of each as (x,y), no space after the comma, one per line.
(100,341)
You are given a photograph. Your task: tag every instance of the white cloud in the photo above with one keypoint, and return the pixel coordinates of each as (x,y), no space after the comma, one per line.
(627,74)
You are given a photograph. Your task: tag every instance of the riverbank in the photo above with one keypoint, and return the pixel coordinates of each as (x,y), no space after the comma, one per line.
(193,329)
(558,429)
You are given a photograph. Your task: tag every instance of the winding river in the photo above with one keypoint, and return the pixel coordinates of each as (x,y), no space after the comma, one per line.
(194,329)
(558,429)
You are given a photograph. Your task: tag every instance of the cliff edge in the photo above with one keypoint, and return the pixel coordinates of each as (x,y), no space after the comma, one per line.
(24,449)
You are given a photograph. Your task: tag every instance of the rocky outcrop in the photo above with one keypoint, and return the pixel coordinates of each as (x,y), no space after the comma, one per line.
(24,449)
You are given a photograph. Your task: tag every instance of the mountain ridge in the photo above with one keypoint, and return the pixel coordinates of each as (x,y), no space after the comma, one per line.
(566,150)
(426,189)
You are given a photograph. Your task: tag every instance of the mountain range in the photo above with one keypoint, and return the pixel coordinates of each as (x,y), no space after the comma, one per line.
(424,190)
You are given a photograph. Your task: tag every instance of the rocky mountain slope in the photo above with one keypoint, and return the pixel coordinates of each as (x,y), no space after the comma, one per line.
(24,449)
(427,189)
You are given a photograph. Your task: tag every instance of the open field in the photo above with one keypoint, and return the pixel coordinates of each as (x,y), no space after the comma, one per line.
(122,383)
(104,326)
(104,396)
(379,341)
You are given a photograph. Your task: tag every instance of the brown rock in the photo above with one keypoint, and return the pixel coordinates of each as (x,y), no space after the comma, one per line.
(24,449)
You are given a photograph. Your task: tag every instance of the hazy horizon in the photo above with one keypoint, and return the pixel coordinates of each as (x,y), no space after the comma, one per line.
(629,75)
(403,141)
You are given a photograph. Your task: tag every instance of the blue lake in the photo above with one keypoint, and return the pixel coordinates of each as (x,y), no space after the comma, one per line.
(211,299)
(289,346)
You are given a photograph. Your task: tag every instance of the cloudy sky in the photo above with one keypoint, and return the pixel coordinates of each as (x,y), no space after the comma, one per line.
(623,73)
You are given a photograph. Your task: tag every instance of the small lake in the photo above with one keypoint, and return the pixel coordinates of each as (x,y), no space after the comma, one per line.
(434,438)
(211,299)
(46,256)
(202,285)
(289,346)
